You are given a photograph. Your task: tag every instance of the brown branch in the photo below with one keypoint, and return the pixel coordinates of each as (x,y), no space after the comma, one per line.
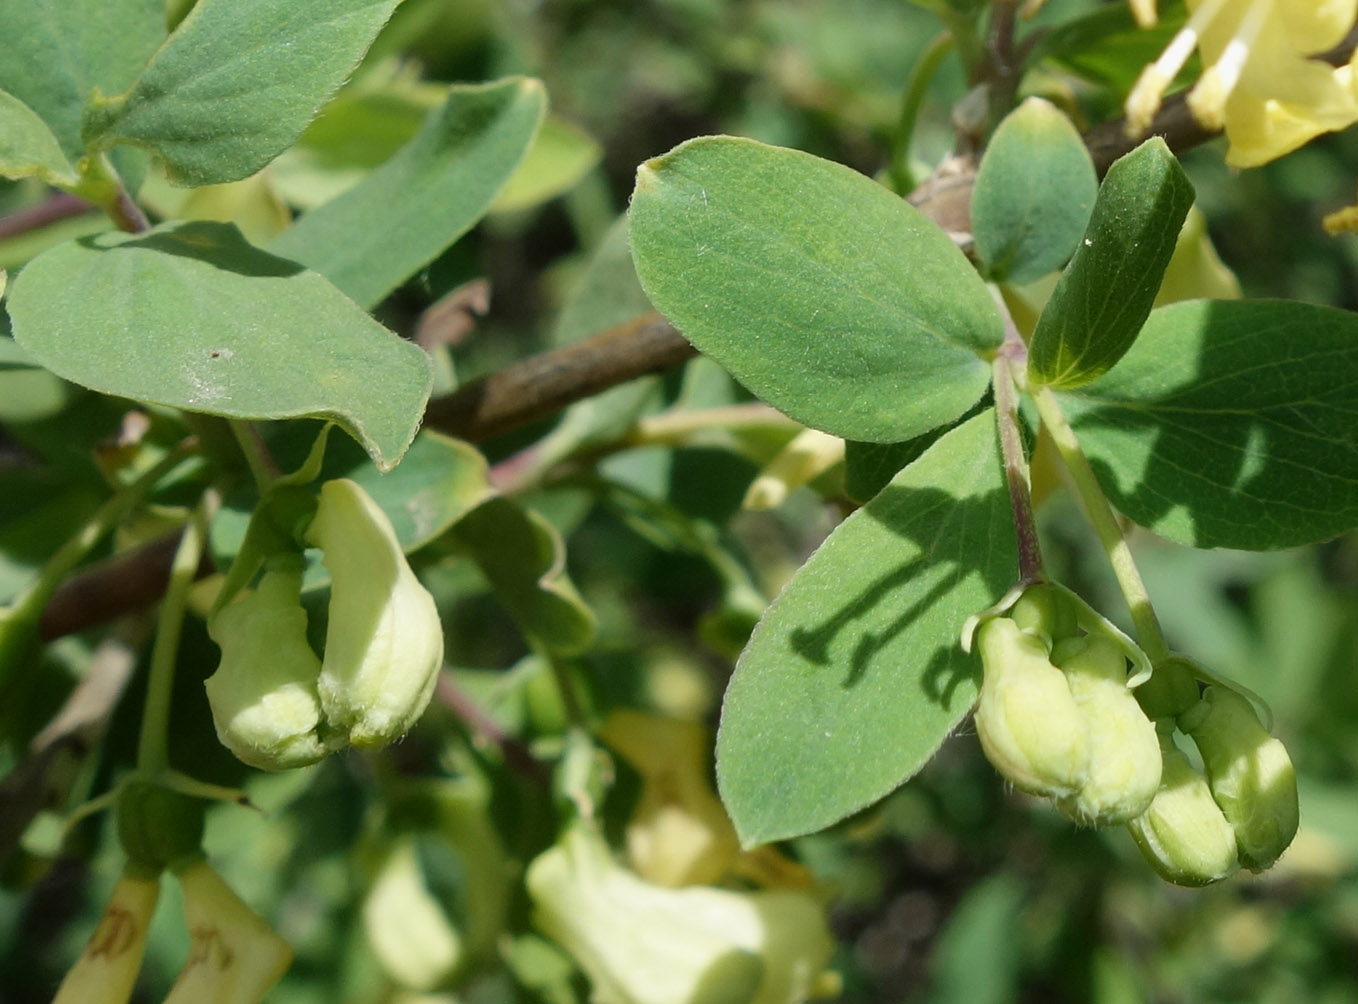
(542,385)
(58,206)
(1108,141)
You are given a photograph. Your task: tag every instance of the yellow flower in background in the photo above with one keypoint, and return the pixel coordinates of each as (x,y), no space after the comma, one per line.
(1262,82)
(107,970)
(234,956)
(641,943)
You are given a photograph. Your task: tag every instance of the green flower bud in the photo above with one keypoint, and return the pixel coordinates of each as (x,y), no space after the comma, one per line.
(1029,724)
(384,642)
(158,827)
(234,957)
(1249,772)
(263,695)
(1124,751)
(643,944)
(107,969)
(1183,834)
(1171,690)
(1047,611)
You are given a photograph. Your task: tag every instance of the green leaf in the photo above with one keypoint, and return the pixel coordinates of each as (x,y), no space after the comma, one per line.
(1106,292)
(1033,195)
(54,52)
(854,676)
(524,559)
(1230,424)
(561,154)
(236,83)
(823,293)
(27,146)
(190,315)
(438,482)
(374,236)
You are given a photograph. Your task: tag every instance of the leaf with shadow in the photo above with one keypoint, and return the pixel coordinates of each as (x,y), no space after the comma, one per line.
(1230,424)
(854,675)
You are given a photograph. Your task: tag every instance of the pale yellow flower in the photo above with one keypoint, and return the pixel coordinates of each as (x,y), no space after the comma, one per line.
(1262,82)
(234,957)
(645,944)
(107,969)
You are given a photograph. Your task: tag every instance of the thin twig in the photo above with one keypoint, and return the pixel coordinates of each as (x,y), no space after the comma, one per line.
(57,206)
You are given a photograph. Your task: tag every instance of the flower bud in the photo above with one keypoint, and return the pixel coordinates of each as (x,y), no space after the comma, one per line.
(263,695)
(384,642)
(1183,834)
(1171,690)
(233,957)
(1046,611)
(642,944)
(107,969)
(1124,751)
(158,827)
(1029,724)
(1249,772)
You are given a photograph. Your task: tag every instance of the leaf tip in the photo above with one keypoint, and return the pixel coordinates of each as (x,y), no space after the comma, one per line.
(646,179)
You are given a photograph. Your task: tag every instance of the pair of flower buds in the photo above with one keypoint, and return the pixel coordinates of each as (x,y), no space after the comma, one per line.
(234,957)
(1058,718)
(275,704)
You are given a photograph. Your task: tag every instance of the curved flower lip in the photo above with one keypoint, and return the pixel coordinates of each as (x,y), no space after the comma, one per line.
(107,969)
(234,956)
(263,694)
(384,641)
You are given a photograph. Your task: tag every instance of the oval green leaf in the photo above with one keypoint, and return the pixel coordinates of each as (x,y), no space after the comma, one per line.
(826,295)
(1109,287)
(52,55)
(236,83)
(367,240)
(27,146)
(192,316)
(1033,195)
(1230,423)
(854,676)
(524,559)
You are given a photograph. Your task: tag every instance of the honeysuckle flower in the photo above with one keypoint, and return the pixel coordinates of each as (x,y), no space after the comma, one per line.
(275,704)
(263,694)
(408,929)
(679,834)
(1029,724)
(643,944)
(1124,751)
(107,969)
(1249,772)
(234,957)
(1183,834)
(810,454)
(384,642)
(1262,82)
